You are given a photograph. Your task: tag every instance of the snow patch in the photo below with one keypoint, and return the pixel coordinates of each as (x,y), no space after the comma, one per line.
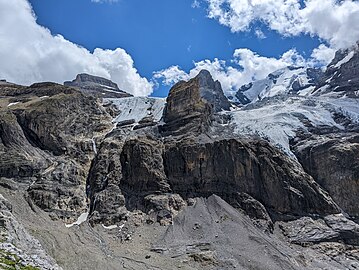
(12,104)
(81,219)
(279,121)
(94,145)
(279,82)
(306,91)
(345,59)
(138,107)
(111,227)
(108,87)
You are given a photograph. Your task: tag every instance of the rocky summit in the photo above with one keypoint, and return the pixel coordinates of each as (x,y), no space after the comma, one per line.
(93,178)
(97,86)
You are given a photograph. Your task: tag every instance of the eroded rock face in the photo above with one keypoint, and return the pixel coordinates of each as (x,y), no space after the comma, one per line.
(333,161)
(56,123)
(254,167)
(47,141)
(16,150)
(142,167)
(212,92)
(190,105)
(193,169)
(329,229)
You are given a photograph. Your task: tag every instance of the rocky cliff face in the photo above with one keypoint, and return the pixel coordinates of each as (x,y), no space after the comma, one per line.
(227,167)
(195,169)
(136,166)
(191,105)
(334,162)
(47,140)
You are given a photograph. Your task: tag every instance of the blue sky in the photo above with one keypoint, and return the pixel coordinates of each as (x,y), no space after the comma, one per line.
(158,33)
(147,46)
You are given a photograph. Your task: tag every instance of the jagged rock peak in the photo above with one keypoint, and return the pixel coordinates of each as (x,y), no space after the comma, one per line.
(212,92)
(191,105)
(205,74)
(341,77)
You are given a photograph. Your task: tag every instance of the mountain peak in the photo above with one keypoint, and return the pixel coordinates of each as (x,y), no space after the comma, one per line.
(204,74)
(97,86)
(190,105)
(87,78)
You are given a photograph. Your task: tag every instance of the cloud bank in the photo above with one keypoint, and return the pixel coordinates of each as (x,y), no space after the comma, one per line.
(336,22)
(30,53)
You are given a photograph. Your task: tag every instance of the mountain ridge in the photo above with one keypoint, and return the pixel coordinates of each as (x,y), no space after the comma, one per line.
(190,182)
(338,79)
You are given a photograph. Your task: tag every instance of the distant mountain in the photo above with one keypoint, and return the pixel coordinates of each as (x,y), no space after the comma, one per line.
(340,78)
(289,80)
(97,86)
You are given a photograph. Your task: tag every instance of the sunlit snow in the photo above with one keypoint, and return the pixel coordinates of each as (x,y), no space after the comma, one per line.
(82,218)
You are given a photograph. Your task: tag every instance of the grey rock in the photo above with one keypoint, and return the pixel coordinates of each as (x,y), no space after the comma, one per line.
(332,228)
(98,86)
(190,105)
(341,76)
(227,166)
(333,161)
(212,92)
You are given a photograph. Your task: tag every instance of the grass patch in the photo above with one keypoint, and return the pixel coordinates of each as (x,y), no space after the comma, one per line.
(10,261)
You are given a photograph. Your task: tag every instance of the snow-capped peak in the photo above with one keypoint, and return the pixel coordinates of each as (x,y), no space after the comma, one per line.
(288,80)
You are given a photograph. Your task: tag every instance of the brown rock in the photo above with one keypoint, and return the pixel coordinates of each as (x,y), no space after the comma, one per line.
(333,161)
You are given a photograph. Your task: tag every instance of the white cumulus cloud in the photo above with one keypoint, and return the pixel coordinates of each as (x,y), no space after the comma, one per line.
(322,55)
(336,22)
(30,53)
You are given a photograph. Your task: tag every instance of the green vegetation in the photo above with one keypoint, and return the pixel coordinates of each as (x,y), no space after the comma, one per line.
(10,261)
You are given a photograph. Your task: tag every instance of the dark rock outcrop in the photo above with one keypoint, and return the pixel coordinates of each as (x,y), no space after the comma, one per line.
(329,229)
(47,141)
(333,161)
(228,166)
(107,203)
(193,169)
(18,158)
(212,92)
(191,105)
(242,98)
(142,167)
